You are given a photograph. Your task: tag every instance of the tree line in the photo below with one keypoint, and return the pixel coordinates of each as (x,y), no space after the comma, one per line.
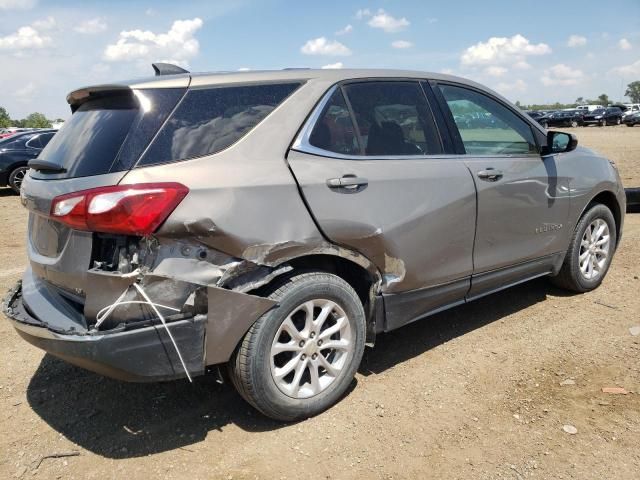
(33,120)
(632,93)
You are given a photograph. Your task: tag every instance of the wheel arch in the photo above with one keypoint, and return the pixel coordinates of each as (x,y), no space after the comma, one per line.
(364,280)
(608,199)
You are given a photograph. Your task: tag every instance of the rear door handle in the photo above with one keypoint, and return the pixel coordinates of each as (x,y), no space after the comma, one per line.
(349,182)
(490,174)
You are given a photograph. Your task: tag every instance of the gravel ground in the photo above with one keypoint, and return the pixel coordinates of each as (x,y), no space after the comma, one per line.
(487,390)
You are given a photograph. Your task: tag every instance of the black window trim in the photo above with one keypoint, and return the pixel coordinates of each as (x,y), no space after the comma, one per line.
(301,142)
(299,83)
(34,137)
(538,136)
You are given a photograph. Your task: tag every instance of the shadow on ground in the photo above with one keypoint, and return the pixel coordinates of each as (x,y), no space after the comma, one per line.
(7,192)
(121,420)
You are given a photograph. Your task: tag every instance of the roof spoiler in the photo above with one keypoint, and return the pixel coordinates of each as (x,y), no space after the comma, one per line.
(167,69)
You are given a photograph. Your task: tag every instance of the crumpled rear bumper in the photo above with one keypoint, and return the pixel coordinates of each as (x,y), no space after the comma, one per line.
(141,355)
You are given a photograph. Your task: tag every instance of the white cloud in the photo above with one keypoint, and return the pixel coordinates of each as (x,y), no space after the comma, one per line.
(521,65)
(25,38)
(624,44)
(495,71)
(628,70)
(432,20)
(388,23)
(576,41)
(333,65)
(17,4)
(362,13)
(91,26)
(244,69)
(322,46)
(345,30)
(44,24)
(401,44)
(177,45)
(561,75)
(517,86)
(503,50)
(25,94)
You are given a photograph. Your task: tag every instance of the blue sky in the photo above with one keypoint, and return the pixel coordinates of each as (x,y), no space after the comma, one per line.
(532,51)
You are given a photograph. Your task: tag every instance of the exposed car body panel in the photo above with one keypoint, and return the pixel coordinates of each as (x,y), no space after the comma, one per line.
(405,238)
(521,216)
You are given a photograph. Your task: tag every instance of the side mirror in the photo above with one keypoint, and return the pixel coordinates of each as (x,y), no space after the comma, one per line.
(559,142)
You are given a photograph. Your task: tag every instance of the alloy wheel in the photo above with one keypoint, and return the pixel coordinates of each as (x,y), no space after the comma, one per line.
(594,249)
(311,348)
(18,177)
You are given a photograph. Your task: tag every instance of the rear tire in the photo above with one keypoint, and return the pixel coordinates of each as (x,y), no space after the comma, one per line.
(590,252)
(16,177)
(318,326)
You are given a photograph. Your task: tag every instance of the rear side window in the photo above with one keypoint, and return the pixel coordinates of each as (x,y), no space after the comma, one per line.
(486,126)
(109,133)
(209,120)
(334,130)
(393,118)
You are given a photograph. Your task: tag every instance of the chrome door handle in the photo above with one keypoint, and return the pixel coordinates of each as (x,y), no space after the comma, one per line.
(349,182)
(490,174)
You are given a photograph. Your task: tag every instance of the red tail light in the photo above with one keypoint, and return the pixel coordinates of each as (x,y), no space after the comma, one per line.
(128,209)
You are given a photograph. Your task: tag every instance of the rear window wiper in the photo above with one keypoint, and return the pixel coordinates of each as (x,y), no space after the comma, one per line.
(45,166)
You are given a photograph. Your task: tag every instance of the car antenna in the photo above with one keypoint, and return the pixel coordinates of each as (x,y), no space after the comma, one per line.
(167,69)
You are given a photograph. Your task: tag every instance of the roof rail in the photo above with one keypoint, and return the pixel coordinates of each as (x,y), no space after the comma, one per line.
(167,69)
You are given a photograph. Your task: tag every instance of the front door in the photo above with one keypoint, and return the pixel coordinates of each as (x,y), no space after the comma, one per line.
(523,205)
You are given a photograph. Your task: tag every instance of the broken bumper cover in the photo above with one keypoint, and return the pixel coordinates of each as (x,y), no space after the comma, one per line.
(141,355)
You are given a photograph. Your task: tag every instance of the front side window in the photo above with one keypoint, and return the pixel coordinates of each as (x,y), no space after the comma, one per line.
(486,126)
(209,120)
(393,118)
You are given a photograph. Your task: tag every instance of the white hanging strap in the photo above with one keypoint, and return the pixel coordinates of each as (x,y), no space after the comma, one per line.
(164,324)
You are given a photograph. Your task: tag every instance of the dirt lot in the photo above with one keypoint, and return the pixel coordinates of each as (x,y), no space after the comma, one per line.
(472,393)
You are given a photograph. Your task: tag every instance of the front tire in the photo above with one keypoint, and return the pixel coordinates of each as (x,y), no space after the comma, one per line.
(589,255)
(298,359)
(16,177)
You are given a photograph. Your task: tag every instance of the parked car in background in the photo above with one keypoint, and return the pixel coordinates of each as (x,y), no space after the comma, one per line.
(274,222)
(632,120)
(15,153)
(7,132)
(588,108)
(562,118)
(631,109)
(603,116)
(536,114)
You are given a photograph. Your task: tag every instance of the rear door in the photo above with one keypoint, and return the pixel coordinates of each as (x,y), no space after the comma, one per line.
(371,167)
(523,205)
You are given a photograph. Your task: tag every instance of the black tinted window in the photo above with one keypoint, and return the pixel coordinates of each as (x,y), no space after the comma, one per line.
(210,120)
(393,118)
(334,130)
(45,138)
(109,133)
(486,126)
(34,142)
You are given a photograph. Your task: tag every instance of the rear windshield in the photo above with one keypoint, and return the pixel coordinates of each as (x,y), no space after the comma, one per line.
(108,134)
(211,119)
